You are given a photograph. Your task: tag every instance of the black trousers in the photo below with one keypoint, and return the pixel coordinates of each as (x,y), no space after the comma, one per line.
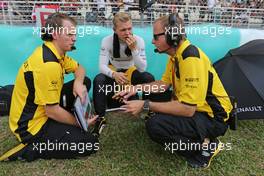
(103,99)
(171,130)
(58,140)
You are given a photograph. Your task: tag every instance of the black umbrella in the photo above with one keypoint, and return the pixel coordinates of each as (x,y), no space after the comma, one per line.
(242,72)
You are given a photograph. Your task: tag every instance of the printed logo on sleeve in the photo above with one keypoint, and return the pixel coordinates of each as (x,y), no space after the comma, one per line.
(53,86)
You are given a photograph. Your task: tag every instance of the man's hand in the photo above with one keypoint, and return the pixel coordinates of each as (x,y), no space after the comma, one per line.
(92,120)
(120,78)
(134,107)
(80,90)
(131,42)
(125,94)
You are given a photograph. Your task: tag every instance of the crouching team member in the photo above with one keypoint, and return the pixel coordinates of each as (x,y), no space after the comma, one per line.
(40,115)
(192,121)
(122,62)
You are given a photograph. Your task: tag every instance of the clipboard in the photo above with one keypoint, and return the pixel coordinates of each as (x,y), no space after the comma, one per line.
(82,111)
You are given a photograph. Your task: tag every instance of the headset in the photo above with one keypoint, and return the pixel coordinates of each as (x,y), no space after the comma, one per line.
(50,25)
(173,38)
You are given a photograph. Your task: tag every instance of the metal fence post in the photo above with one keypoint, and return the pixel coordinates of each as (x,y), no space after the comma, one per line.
(141,18)
(3,12)
(9,13)
(232,16)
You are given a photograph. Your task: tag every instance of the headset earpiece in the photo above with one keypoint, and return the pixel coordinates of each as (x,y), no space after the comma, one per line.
(46,35)
(173,38)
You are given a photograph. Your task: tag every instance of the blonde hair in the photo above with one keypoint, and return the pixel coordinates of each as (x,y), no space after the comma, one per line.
(122,17)
(164,21)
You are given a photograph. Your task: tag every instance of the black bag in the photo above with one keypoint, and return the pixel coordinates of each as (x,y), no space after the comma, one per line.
(5,99)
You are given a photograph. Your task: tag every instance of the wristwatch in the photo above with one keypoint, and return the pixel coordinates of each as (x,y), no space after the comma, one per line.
(146,105)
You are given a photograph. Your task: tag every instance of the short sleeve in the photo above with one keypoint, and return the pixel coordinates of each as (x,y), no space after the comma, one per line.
(193,81)
(166,77)
(69,64)
(48,81)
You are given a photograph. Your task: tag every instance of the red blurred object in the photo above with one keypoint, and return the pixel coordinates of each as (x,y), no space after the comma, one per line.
(56,7)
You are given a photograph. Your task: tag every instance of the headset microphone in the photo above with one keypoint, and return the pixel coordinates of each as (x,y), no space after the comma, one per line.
(160,52)
(73,48)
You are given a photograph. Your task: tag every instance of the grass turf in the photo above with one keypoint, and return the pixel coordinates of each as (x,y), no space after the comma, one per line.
(126,149)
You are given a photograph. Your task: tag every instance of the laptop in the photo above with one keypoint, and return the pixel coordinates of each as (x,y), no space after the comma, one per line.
(82,111)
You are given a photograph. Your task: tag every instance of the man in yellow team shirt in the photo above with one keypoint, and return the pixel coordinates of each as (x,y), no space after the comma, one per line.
(191,121)
(40,115)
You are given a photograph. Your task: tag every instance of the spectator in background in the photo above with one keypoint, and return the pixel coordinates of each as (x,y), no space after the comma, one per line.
(115,6)
(101,11)
(127,4)
(211,4)
(100,5)
(71,7)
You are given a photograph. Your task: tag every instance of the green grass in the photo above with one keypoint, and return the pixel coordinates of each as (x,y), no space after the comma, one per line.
(127,150)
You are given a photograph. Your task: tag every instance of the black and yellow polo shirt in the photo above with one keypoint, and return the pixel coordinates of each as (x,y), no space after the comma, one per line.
(38,83)
(195,81)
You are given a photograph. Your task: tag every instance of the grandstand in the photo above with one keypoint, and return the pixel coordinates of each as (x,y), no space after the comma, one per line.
(238,13)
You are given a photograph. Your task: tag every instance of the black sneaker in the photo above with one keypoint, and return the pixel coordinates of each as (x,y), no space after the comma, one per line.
(203,159)
(99,126)
(18,155)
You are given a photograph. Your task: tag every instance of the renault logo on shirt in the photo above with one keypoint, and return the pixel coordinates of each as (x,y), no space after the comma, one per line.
(53,85)
(26,66)
(54,82)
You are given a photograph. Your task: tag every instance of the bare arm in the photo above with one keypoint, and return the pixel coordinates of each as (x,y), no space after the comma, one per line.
(59,114)
(79,74)
(78,87)
(172,107)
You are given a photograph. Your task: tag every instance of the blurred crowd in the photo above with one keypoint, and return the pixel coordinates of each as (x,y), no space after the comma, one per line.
(257,4)
(210,3)
(205,10)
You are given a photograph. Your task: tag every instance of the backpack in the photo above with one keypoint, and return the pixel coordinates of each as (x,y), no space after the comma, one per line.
(5,99)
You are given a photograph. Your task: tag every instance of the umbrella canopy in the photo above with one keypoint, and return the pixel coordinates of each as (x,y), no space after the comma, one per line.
(242,72)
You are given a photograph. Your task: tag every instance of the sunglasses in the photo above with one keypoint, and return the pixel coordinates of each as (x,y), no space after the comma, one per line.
(156,36)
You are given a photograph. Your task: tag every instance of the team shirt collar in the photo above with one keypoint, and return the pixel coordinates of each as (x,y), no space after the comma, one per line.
(181,48)
(52,47)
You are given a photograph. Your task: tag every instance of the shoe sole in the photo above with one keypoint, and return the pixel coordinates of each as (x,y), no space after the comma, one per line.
(101,129)
(215,153)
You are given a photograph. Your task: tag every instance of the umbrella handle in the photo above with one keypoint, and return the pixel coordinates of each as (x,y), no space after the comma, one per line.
(232,121)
